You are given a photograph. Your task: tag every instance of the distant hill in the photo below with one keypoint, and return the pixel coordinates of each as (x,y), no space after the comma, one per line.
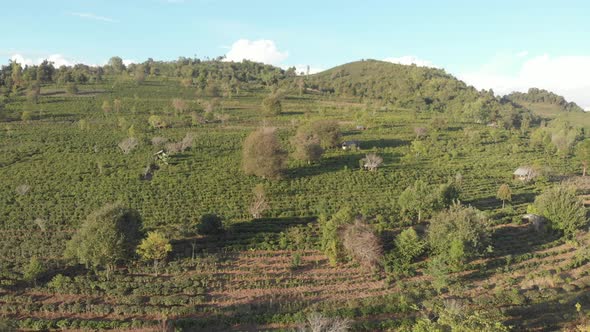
(418,88)
(543,102)
(405,86)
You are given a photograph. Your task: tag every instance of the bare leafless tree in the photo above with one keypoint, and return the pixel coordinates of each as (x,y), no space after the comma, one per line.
(361,242)
(173,147)
(41,223)
(127,145)
(372,161)
(223,118)
(259,203)
(159,141)
(117,105)
(23,189)
(420,132)
(317,322)
(186,143)
(179,105)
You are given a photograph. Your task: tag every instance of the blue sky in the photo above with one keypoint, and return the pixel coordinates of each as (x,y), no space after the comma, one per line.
(492,44)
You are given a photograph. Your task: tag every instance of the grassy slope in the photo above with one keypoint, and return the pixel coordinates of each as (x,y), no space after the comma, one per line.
(552,111)
(244,279)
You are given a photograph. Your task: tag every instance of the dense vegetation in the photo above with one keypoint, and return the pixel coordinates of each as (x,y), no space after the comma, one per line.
(209,195)
(540,96)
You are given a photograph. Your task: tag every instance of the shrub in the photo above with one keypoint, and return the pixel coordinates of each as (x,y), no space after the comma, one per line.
(456,228)
(563,208)
(330,229)
(33,270)
(59,283)
(408,246)
(26,116)
(156,122)
(72,89)
(155,248)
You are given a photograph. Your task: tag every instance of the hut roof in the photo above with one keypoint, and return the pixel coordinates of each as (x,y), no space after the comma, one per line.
(524,171)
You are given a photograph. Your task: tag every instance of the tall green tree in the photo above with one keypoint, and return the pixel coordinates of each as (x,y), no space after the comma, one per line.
(306,145)
(116,65)
(107,237)
(408,246)
(416,199)
(328,132)
(504,194)
(582,153)
(271,105)
(330,229)
(155,247)
(262,154)
(458,233)
(45,72)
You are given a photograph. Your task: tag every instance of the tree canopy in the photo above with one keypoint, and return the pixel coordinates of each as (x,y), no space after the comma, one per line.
(107,237)
(262,154)
(563,208)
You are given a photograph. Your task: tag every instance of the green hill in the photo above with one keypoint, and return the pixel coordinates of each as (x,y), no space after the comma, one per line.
(418,88)
(543,102)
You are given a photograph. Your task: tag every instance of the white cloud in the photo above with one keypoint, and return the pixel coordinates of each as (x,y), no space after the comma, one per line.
(127,62)
(91,16)
(261,50)
(303,69)
(57,59)
(409,60)
(522,54)
(22,60)
(565,75)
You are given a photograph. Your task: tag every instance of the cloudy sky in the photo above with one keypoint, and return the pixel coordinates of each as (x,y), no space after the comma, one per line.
(503,45)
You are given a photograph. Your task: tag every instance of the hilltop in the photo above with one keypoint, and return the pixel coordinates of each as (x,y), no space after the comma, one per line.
(543,102)
(404,86)
(416,88)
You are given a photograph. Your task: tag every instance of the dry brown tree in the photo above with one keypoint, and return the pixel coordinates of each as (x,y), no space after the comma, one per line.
(23,189)
(362,244)
(117,105)
(179,105)
(159,141)
(262,154)
(420,132)
(259,203)
(180,146)
(127,145)
(307,146)
(317,322)
(372,161)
